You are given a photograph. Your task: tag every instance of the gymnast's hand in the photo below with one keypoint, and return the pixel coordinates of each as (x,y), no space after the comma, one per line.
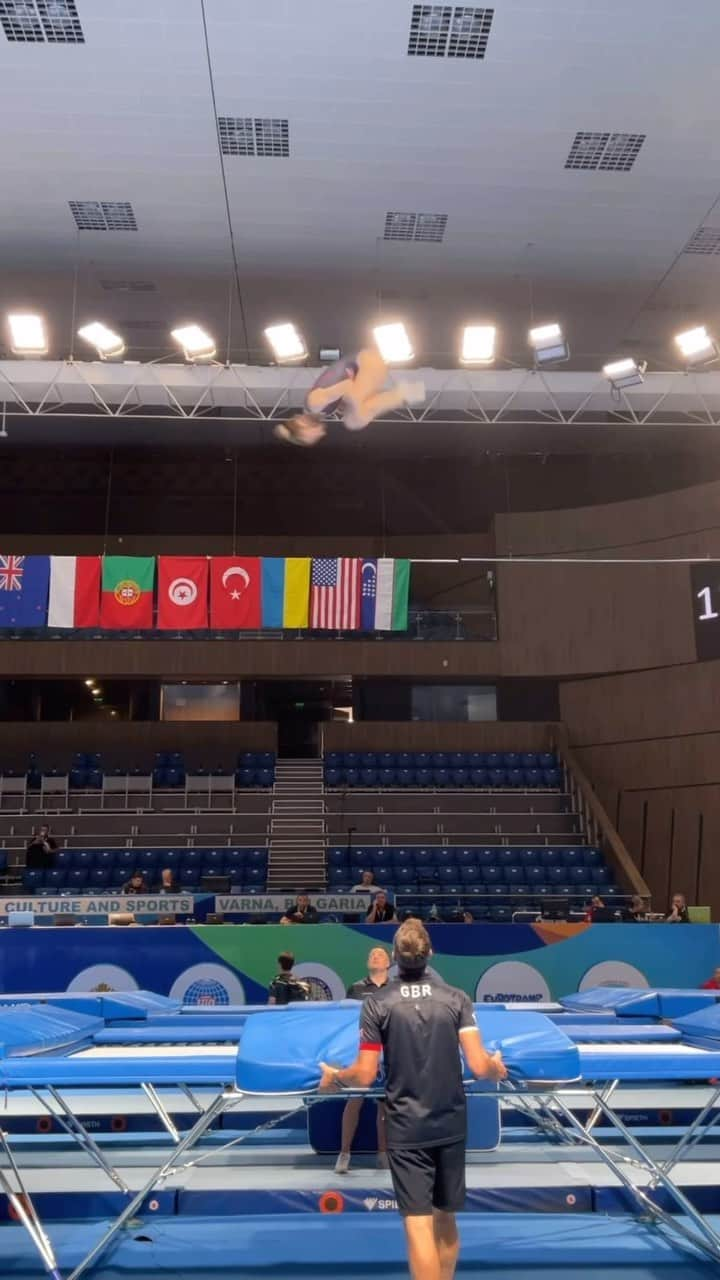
(328,1079)
(495,1069)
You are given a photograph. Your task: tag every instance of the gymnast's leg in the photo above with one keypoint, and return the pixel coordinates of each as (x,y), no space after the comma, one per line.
(350,1118)
(366,400)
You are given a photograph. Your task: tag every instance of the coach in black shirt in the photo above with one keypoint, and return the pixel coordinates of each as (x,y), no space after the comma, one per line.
(418,1022)
(377,978)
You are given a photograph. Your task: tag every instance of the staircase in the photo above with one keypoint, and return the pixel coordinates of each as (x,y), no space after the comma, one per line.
(297,827)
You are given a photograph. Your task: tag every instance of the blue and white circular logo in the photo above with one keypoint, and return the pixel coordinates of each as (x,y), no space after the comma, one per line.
(208,984)
(613,973)
(103,977)
(324,982)
(512,982)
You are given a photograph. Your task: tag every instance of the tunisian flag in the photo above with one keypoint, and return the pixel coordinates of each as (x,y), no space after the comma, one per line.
(74,591)
(182,592)
(235,593)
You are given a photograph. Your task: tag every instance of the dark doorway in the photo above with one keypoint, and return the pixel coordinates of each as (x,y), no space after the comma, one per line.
(300,707)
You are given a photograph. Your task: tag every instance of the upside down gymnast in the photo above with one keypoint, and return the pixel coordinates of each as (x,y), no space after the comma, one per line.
(357,387)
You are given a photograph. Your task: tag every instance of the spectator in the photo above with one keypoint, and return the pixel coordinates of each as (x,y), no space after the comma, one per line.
(637,910)
(468,917)
(136,884)
(381,911)
(168,883)
(367,884)
(596,904)
(678,913)
(378,973)
(712,984)
(40,850)
(285,988)
(303,912)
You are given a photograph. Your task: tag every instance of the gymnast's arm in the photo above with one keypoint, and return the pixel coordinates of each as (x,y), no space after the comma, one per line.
(360,1075)
(483,1065)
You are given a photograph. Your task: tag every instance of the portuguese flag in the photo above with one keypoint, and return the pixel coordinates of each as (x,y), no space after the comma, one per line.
(127,592)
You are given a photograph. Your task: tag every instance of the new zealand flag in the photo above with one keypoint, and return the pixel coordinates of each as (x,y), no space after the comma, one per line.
(24,584)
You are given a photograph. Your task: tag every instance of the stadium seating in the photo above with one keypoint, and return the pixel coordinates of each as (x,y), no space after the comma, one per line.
(87,772)
(89,871)
(455,769)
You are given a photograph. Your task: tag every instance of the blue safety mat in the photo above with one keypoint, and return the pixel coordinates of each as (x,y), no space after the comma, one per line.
(332,1247)
(31,1029)
(158,1033)
(325,1119)
(701,1028)
(647,1062)
(640,1002)
(620,1030)
(90,1072)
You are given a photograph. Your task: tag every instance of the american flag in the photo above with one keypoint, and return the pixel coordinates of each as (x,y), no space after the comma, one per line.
(335,595)
(11,573)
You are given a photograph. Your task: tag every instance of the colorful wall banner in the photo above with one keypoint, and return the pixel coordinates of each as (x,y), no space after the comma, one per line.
(225,964)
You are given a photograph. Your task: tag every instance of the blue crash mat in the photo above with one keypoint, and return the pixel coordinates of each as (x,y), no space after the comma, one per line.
(640,1002)
(31,1029)
(701,1028)
(116,1005)
(281,1055)
(620,1031)
(157,1033)
(626,1062)
(21,1073)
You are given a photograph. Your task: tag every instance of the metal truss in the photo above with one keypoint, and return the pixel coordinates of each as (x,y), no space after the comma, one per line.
(245,393)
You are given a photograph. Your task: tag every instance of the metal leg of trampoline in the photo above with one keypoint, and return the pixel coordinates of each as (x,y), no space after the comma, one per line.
(159,1175)
(191,1097)
(156,1101)
(27,1214)
(75,1129)
(595,1114)
(236,1142)
(703,1238)
(694,1134)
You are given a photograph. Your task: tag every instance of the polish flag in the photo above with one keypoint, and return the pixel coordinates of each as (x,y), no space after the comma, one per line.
(74,591)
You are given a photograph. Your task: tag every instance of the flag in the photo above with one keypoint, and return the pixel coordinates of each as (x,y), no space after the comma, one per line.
(127,592)
(182,593)
(390,587)
(285,592)
(335,594)
(24,584)
(235,593)
(74,591)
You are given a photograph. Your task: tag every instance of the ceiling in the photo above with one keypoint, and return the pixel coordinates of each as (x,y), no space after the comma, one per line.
(129,115)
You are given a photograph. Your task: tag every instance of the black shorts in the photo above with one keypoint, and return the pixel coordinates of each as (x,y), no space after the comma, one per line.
(427,1178)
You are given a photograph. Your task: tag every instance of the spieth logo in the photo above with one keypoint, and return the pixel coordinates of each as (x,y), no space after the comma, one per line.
(372,1202)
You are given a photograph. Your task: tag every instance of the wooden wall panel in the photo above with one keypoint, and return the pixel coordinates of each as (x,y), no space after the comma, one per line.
(645,704)
(417,736)
(658,837)
(660,763)
(133,743)
(631,825)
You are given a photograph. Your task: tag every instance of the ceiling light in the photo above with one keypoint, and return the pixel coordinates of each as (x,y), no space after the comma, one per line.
(393,343)
(108,345)
(624,373)
(478,344)
(696,345)
(548,344)
(286,342)
(90,683)
(329,355)
(195,342)
(27,335)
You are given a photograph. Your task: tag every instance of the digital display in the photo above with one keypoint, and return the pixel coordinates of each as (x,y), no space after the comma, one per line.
(705,580)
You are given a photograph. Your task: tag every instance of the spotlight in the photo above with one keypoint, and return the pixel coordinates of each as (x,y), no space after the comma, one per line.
(195,342)
(478,344)
(287,344)
(548,344)
(625,373)
(393,343)
(697,346)
(108,345)
(329,355)
(90,683)
(27,335)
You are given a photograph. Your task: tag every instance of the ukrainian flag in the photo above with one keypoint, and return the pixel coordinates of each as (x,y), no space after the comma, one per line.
(286,592)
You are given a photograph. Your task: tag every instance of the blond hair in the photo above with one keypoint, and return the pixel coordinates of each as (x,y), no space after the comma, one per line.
(412,945)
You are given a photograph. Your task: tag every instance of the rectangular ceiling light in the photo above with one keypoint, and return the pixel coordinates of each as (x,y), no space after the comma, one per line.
(478,344)
(287,344)
(195,342)
(696,346)
(108,345)
(27,335)
(624,373)
(393,343)
(548,343)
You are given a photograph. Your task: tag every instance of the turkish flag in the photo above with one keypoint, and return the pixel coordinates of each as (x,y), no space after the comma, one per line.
(235,593)
(182,593)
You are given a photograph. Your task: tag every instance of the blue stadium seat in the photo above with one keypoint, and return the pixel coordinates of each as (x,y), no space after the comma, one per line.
(332,759)
(337,875)
(125,862)
(358,860)
(492,875)
(247,760)
(333,777)
(403,857)
(556,876)
(466,857)
(337,857)
(403,876)
(498,778)
(246,777)
(256,858)
(516,777)
(100,878)
(593,858)
(447,874)
(77,880)
(405,760)
(535,876)
(576,875)
(147,861)
(56,880)
(351,760)
(528,760)
(424,777)
(501,915)
(64,859)
(459,777)
(507,857)
(439,760)
(478,759)
(255,876)
(83,859)
(552,857)
(368,760)
(426,875)
(546,760)
(78,778)
(174,777)
(479,777)
(459,759)
(529,857)
(511,760)
(265,777)
(405,777)
(493,760)
(422,759)
(440,778)
(32,880)
(424,858)
(600,875)
(267,759)
(388,777)
(574,857)
(552,777)
(368,777)
(352,777)
(384,874)
(485,857)
(533,777)
(234,864)
(213,861)
(514,876)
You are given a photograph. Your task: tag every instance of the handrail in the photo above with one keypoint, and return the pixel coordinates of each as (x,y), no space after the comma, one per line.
(600,828)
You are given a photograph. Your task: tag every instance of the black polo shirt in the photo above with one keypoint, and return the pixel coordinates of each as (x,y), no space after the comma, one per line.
(365,987)
(417,1021)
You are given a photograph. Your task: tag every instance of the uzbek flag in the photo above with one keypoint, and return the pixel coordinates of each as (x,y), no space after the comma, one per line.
(385,592)
(285,591)
(74,591)
(127,592)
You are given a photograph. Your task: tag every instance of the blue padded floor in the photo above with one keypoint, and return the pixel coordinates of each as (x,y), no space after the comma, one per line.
(332,1247)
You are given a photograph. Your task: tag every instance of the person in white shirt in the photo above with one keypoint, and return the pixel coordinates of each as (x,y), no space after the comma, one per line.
(367,884)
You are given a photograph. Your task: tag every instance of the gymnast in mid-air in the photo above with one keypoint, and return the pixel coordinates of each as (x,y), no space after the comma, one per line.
(357,388)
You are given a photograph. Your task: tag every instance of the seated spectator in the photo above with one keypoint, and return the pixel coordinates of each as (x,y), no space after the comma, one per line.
(468,917)
(285,988)
(136,884)
(637,910)
(712,984)
(40,850)
(168,883)
(367,884)
(303,912)
(596,904)
(381,911)
(678,913)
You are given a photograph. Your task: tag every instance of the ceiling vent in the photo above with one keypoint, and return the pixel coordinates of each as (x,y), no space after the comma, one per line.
(40,21)
(425,227)
(706,240)
(616,152)
(248,136)
(103,215)
(449,31)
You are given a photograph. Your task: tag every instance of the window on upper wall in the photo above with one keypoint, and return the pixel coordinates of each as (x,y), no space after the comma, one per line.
(454,702)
